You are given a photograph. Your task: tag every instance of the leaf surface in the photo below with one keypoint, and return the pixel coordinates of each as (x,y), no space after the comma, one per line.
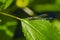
(39,30)
(5,4)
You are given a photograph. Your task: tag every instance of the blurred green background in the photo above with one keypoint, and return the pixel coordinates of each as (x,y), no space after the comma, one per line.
(11,28)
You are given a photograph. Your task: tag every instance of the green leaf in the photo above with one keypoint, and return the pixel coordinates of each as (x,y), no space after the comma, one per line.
(39,30)
(5,4)
(3,1)
(8,3)
(56,23)
(45,5)
(7,27)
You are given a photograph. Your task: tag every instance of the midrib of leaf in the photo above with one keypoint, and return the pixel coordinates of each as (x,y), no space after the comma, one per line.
(28,29)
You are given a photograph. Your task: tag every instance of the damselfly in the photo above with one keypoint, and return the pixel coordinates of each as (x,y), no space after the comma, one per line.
(39,17)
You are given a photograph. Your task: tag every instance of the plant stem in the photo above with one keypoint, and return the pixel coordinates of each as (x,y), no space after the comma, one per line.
(10,15)
(29,11)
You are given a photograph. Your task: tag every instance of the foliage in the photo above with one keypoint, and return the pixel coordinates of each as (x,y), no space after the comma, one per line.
(39,30)
(7,27)
(5,4)
(33,29)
